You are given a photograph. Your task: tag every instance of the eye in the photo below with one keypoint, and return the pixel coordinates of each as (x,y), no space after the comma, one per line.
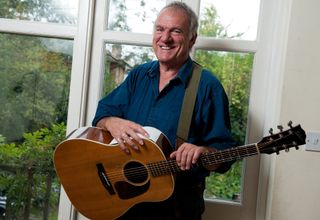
(159,29)
(176,31)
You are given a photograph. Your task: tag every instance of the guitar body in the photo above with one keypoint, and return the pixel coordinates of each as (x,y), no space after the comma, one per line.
(102,181)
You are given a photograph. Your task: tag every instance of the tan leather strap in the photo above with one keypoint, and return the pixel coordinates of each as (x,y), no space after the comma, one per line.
(188,104)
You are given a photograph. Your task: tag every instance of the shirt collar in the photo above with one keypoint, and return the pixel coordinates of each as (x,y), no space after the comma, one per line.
(184,72)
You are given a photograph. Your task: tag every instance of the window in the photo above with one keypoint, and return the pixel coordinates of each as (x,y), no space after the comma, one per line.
(36,47)
(34,99)
(119,59)
(234,71)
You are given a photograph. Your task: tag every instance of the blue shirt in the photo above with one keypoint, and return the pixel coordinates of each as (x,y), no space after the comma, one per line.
(138,99)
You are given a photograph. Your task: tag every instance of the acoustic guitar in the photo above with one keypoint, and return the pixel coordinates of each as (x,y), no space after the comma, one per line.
(103,182)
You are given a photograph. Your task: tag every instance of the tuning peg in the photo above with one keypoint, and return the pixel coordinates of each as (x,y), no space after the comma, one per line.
(280,127)
(275,149)
(271,131)
(286,149)
(290,124)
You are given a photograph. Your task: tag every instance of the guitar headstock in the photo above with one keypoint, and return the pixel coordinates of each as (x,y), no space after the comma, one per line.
(284,140)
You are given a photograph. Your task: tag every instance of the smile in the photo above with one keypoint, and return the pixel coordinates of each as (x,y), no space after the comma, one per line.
(165,47)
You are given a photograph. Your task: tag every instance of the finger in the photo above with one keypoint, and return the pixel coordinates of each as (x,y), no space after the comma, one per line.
(173,154)
(188,160)
(196,156)
(183,159)
(135,136)
(122,145)
(129,141)
(138,129)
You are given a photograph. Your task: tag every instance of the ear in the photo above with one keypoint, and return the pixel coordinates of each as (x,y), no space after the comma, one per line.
(193,40)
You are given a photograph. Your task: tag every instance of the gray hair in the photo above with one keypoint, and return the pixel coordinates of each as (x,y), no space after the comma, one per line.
(193,18)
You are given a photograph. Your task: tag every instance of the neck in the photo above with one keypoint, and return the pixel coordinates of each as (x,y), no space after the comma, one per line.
(167,72)
(165,77)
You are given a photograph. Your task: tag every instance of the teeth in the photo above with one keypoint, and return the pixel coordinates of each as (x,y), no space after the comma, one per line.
(165,48)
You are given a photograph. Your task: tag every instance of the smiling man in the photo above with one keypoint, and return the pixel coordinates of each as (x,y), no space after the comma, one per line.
(152,95)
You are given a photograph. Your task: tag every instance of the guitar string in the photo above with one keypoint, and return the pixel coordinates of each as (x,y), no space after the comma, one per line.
(162,167)
(166,167)
(170,166)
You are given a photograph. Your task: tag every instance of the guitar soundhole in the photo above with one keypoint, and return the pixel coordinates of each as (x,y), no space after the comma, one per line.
(136,172)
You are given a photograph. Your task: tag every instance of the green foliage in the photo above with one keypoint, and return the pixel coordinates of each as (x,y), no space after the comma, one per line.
(27,167)
(225,186)
(209,24)
(34,90)
(34,85)
(234,71)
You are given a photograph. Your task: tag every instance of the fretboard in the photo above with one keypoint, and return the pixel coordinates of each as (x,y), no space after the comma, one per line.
(166,167)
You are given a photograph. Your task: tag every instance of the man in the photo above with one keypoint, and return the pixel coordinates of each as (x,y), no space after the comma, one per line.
(152,95)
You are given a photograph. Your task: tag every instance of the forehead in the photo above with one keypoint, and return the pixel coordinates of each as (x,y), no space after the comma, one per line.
(173,17)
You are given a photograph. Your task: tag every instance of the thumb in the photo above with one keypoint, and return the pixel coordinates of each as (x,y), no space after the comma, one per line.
(173,154)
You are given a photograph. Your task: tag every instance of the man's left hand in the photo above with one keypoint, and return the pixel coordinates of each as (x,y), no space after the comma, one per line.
(188,154)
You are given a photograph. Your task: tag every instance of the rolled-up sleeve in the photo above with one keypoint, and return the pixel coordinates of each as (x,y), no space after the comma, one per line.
(114,103)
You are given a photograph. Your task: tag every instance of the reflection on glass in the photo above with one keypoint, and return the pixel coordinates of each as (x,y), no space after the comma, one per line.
(55,11)
(234,71)
(119,59)
(34,84)
(233,19)
(134,15)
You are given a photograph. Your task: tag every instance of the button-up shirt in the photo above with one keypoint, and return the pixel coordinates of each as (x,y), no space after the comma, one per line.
(138,99)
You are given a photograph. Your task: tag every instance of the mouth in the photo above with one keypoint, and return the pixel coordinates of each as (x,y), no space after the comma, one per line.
(166,47)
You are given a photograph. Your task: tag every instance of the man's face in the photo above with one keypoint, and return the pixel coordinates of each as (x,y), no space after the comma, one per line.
(171,39)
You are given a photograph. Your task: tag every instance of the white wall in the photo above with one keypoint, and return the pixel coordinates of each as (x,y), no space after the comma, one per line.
(296,189)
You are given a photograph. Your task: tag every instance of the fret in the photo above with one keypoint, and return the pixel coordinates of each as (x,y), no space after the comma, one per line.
(239,156)
(163,167)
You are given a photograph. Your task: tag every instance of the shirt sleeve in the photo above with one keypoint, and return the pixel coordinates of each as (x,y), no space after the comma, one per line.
(212,117)
(115,103)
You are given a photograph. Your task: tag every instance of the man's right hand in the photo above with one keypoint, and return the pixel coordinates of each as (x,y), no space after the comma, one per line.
(127,133)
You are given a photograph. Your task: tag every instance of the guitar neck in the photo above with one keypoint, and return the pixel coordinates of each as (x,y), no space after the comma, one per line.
(237,153)
(166,167)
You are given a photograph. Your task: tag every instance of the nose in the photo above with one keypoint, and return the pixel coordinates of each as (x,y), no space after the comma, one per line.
(166,36)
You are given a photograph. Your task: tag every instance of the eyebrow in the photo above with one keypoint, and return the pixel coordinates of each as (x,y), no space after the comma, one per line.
(171,28)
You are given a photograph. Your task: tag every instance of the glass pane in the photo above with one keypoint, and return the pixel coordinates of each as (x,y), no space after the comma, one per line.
(119,59)
(134,15)
(233,19)
(56,11)
(34,84)
(234,71)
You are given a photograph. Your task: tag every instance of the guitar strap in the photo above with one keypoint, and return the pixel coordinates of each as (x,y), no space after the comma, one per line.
(188,104)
